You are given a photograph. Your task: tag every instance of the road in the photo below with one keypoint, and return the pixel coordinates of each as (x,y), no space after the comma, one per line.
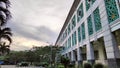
(13,66)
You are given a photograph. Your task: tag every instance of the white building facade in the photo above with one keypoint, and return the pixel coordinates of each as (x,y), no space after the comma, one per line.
(91,33)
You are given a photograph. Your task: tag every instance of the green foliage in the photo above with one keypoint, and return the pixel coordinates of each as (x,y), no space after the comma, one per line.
(4,49)
(87,65)
(5,33)
(98,65)
(36,55)
(65,61)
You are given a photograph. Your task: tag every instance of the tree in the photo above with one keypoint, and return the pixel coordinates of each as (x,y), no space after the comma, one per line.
(65,61)
(4,48)
(5,33)
(5,14)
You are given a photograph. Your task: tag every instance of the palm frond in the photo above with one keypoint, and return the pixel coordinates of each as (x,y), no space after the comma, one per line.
(7,29)
(7,37)
(8,33)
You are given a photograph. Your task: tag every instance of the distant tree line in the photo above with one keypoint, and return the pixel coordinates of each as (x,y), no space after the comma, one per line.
(35,55)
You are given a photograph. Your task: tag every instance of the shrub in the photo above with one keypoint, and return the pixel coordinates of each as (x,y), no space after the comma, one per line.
(71,65)
(87,65)
(98,65)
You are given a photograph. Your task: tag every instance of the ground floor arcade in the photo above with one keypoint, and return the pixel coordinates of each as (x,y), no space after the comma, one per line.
(105,50)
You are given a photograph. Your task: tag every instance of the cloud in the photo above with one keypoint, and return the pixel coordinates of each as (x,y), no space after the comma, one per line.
(37,20)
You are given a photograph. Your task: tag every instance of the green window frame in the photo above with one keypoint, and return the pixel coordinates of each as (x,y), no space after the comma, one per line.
(73,22)
(65,33)
(75,39)
(79,34)
(69,29)
(72,39)
(69,42)
(80,12)
(83,31)
(90,26)
(97,19)
(112,10)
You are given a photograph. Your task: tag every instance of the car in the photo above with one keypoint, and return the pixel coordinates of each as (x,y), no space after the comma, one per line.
(23,64)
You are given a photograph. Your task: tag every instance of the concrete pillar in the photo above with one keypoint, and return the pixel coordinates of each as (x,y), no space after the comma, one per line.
(90,53)
(79,57)
(112,51)
(72,56)
(109,39)
(68,55)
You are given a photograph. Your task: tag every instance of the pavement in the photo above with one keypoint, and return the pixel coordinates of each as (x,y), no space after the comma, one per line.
(13,66)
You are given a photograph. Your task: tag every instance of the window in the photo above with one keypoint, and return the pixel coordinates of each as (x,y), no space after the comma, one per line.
(80,12)
(73,22)
(74,41)
(90,26)
(112,10)
(65,33)
(84,57)
(96,55)
(69,42)
(89,3)
(97,19)
(69,29)
(119,3)
(83,31)
(66,46)
(79,34)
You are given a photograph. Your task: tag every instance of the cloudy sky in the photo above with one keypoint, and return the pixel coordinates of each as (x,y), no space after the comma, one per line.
(35,22)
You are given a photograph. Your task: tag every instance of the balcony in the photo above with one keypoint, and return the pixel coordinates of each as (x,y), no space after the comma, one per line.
(2,5)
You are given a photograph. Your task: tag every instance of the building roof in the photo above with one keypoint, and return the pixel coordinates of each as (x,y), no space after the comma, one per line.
(73,8)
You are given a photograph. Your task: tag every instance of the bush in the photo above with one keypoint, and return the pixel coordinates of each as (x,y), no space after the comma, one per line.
(71,65)
(99,65)
(60,66)
(87,65)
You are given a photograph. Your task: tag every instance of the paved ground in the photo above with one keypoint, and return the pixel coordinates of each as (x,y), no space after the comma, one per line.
(13,66)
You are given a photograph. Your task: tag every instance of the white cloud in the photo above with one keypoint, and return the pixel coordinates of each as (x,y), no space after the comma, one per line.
(39,20)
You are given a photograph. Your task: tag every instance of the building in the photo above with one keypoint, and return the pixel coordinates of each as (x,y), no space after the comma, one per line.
(91,32)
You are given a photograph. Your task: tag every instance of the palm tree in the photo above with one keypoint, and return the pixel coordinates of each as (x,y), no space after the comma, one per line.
(4,12)
(65,61)
(4,48)
(5,33)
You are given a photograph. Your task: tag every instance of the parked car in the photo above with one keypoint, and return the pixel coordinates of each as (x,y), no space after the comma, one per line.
(23,64)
